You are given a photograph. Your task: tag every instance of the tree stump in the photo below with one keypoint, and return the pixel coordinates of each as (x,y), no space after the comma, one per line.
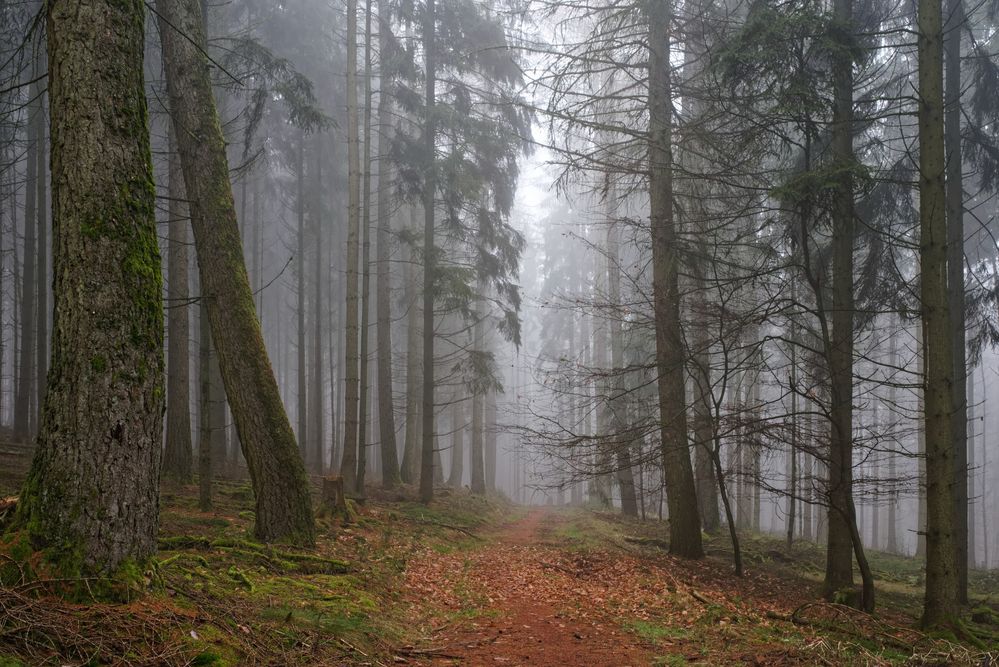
(333,497)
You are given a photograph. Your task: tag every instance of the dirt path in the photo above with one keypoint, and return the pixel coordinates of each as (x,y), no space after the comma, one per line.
(520,600)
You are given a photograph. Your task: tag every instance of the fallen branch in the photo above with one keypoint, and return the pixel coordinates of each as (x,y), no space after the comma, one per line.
(440,524)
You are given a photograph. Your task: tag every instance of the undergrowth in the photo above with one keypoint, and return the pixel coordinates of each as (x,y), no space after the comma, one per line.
(216,597)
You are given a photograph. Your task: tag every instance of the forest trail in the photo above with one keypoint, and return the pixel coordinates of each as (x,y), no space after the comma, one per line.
(521,599)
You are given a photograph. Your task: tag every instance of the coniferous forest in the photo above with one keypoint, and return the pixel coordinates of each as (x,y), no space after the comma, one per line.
(478,332)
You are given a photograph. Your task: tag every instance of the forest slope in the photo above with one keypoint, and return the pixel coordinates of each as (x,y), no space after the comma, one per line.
(467,581)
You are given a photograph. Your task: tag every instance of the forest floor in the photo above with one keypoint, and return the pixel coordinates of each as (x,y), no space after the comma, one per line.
(466,581)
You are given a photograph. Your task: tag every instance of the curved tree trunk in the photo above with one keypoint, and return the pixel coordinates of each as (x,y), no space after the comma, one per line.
(283,506)
(92,497)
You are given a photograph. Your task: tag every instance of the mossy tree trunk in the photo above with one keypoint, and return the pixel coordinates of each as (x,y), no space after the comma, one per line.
(283,506)
(91,498)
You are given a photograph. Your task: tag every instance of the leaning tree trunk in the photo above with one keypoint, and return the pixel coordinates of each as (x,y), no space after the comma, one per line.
(684,522)
(941,602)
(91,498)
(283,506)
(177,455)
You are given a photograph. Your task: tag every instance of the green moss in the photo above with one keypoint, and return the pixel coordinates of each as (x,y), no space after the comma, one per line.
(98,364)
(239,577)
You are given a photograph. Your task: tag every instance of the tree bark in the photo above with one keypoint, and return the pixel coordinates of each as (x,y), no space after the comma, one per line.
(383,274)
(317,453)
(941,599)
(91,498)
(478,461)
(839,547)
(177,456)
(429,251)
(205,471)
(364,418)
(348,462)
(414,366)
(954,195)
(283,506)
(684,522)
(457,445)
(26,352)
(302,399)
(618,400)
(42,281)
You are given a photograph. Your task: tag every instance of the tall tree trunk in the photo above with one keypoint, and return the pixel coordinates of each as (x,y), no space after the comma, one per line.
(893,545)
(283,506)
(26,353)
(316,407)
(489,441)
(478,462)
(457,444)
(91,499)
(414,365)
(920,445)
(348,463)
(205,472)
(383,275)
(363,418)
(301,401)
(841,515)
(177,456)
(619,405)
(973,409)
(42,281)
(942,594)
(985,469)
(429,251)
(684,522)
(954,195)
